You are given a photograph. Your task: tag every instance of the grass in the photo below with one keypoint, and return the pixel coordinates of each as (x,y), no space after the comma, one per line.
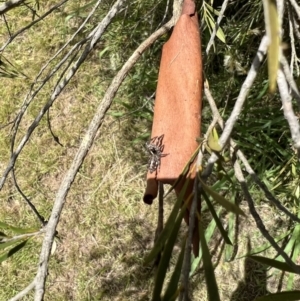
(105,229)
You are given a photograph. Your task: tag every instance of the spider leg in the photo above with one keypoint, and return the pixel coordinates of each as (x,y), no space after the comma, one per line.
(159,140)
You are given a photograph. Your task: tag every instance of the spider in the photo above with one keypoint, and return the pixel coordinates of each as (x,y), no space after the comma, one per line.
(155,149)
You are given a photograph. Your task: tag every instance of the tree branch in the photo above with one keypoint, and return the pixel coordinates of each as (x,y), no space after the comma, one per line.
(86,143)
(24,292)
(217,24)
(287,106)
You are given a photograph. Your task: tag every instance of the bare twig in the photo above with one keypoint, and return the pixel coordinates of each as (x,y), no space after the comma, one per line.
(12,37)
(24,292)
(290,79)
(239,103)
(244,91)
(220,17)
(58,89)
(288,109)
(40,218)
(291,33)
(242,157)
(10,5)
(296,8)
(86,143)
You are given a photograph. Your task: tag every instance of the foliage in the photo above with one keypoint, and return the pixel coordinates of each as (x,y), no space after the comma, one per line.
(112,173)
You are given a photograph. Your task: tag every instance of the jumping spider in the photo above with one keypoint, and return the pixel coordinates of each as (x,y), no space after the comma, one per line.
(155,149)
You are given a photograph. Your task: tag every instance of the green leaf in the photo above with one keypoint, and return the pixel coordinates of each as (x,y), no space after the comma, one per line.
(166,256)
(208,235)
(221,200)
(216,218)
(4,245)
(283,296)
(17,230)
(165,234)
(213,141)
(211,283)
(220,34)
(273,263)
(185,170)
(12,251)
(172,289)
(229,249)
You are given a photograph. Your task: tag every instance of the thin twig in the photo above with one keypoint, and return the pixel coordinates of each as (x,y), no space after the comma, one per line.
(12,37)
(217,24)
(24,292)
(31,95)
(86,143)
(239,103)
(21,236)
(40,217)
(287,106)
(296,8)
(242,157)
(290,79)
(292,39)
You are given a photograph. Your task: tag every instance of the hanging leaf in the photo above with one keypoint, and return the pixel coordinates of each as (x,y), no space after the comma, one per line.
(211,283)
(221,200)
(208,235)
(172,289)
(216,218)
(165,234)
(166,256)
(273,263)
(12,251)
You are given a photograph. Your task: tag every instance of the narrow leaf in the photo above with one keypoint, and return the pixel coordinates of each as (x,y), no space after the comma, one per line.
(184,171)
(216,218)
(273,263)
(168,227)
(221,200)
(211,283)
(173,284)
(208,235)
(166,256)
(17,230)
(13,251)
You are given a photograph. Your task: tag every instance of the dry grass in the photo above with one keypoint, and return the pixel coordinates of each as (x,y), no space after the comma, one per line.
(105,229)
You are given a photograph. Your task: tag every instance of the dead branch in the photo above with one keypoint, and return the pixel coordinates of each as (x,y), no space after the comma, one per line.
(24,292)
(12,37)
(288,109)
